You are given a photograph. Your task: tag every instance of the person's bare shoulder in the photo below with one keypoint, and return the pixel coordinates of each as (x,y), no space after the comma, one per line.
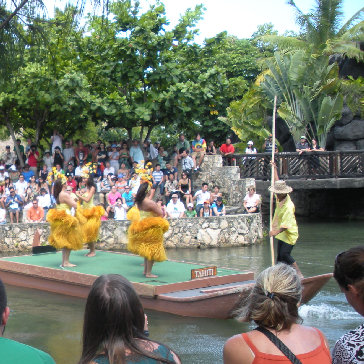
(237,351)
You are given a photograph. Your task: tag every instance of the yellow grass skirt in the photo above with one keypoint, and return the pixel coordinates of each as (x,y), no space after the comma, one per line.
(145,236)
(66,231)
(90,221)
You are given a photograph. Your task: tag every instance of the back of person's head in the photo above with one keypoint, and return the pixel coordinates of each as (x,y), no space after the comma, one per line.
(273,302)
(113,320)
(142,193)
(349,269)
(3,300)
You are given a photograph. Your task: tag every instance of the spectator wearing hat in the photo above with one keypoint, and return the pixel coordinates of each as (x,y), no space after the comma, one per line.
(48,160)
(33,157)
(302,145)
(227,150)
(8,157)
(268,145)
(175,208)
(114,156)
(205,211)
(121,183)
(251,201)
(190,212)
(284,225)
(218,207)
(13,173)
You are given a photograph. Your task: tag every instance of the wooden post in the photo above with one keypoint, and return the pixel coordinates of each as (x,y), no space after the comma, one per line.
(272,178)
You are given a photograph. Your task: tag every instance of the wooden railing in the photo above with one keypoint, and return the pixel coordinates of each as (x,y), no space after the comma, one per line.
(309,165)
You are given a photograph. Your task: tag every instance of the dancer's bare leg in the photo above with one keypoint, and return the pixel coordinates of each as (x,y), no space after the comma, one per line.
(149,267)
(145,266)
(92,251)
(66,258)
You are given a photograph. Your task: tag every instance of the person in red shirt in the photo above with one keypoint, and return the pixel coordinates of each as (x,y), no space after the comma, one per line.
(71,182)
(33,157)
(227,150)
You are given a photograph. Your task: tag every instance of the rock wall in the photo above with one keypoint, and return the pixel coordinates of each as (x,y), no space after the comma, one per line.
(210,232)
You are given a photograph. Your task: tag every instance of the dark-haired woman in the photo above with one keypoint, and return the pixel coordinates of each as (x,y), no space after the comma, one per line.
(114,327)
(273,306)
(349,274)
(145,234)
(66,232)
(88,214)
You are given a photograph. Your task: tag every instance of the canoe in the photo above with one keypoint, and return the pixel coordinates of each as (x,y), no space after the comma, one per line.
(173,291)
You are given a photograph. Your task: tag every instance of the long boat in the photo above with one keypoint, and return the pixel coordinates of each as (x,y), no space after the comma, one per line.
(185,289)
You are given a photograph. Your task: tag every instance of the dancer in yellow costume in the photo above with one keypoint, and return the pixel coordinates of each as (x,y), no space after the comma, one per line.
(66,233)
(145,235)
(88,214)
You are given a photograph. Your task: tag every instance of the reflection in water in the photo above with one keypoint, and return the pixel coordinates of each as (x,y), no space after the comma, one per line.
(54,323)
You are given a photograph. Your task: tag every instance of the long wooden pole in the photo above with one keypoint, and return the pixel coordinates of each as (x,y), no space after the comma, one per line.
(272,178)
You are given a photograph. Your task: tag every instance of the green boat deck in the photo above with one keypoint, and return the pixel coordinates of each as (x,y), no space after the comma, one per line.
(128,265)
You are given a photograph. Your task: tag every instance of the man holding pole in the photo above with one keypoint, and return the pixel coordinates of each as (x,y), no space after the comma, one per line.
(284,225)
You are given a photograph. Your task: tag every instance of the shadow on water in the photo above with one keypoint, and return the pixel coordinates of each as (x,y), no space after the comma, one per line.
(54,323)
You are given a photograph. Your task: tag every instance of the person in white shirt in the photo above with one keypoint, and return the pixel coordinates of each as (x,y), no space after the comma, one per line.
(201,196)
(78,170)
(3,174)
(56,140)
(44,200)
(2,216)
(175,207)
(68,153)
(21,186)
(251,201)
(108,169)
(120,210)
(48,160)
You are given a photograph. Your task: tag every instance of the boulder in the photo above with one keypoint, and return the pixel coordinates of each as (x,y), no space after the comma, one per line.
(352,131)
(346,118)
(345,145)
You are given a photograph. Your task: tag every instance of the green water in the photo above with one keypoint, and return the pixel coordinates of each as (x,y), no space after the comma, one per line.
(54,323)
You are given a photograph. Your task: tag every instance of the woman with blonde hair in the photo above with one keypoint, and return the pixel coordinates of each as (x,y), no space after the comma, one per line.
(273,306)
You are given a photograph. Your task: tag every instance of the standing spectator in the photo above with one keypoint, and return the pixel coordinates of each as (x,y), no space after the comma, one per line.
(158,177)
(111,199)
(190,212)
(211,150)
(302,167)
(250,162)
(58,157)
(187,162)
(114,158)
(35,213)
(218,208)
(136,153)
(268,145)
(101,159)
(198,151)
(302,145)
(13,204)
(27,148)
(120,210)
(205,211)
(162,158)
(81,153)
(8,157)
(170,187)
(56,140)
(128,198)
(21,150)
(48,160)
(33,157)
(227,150)
(201,196)
(68,154)
(21,186)
(181,144)
(124,155)
(175,208)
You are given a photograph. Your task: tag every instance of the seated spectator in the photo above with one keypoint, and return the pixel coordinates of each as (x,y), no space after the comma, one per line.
(111,199)
(124,170)
(71,182)
(105,188)
(3,174)
(48,160)
(35,213)
(43,184)
(210,150)
(128,198)
(21,186)
(273,306)
(349,274)
(13,352)
(184,186)
(227,150)
(78,171)
(205,211)
(27,202)
(175,208)
(186,161)
(70,169)
(198,152)
(170,170)
(170,187)
(121,183)
(201,196)
(2,216)
(134,183)
(162,158)
(44,200)
(118,333)
(33,185)
(161,204)
(190,212)
(215,194)
(13,203)
(120,210)
(218,208)
(124,157)
(251,201)
(8,157)
(13,173)
(58,157)
(158,181)
(43,173)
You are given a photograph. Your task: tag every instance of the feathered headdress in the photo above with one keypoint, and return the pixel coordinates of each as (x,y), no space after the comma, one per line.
(145,173)
(54,175)
(87,169)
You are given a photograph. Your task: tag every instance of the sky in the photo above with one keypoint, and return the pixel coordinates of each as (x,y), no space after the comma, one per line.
(238,17)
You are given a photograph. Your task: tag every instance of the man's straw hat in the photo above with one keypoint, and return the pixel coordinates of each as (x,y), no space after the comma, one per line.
(280,187)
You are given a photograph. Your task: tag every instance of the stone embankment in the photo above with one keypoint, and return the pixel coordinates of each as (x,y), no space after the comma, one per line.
(210,232)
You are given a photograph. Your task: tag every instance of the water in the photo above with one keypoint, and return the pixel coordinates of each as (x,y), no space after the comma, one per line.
(54,323)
